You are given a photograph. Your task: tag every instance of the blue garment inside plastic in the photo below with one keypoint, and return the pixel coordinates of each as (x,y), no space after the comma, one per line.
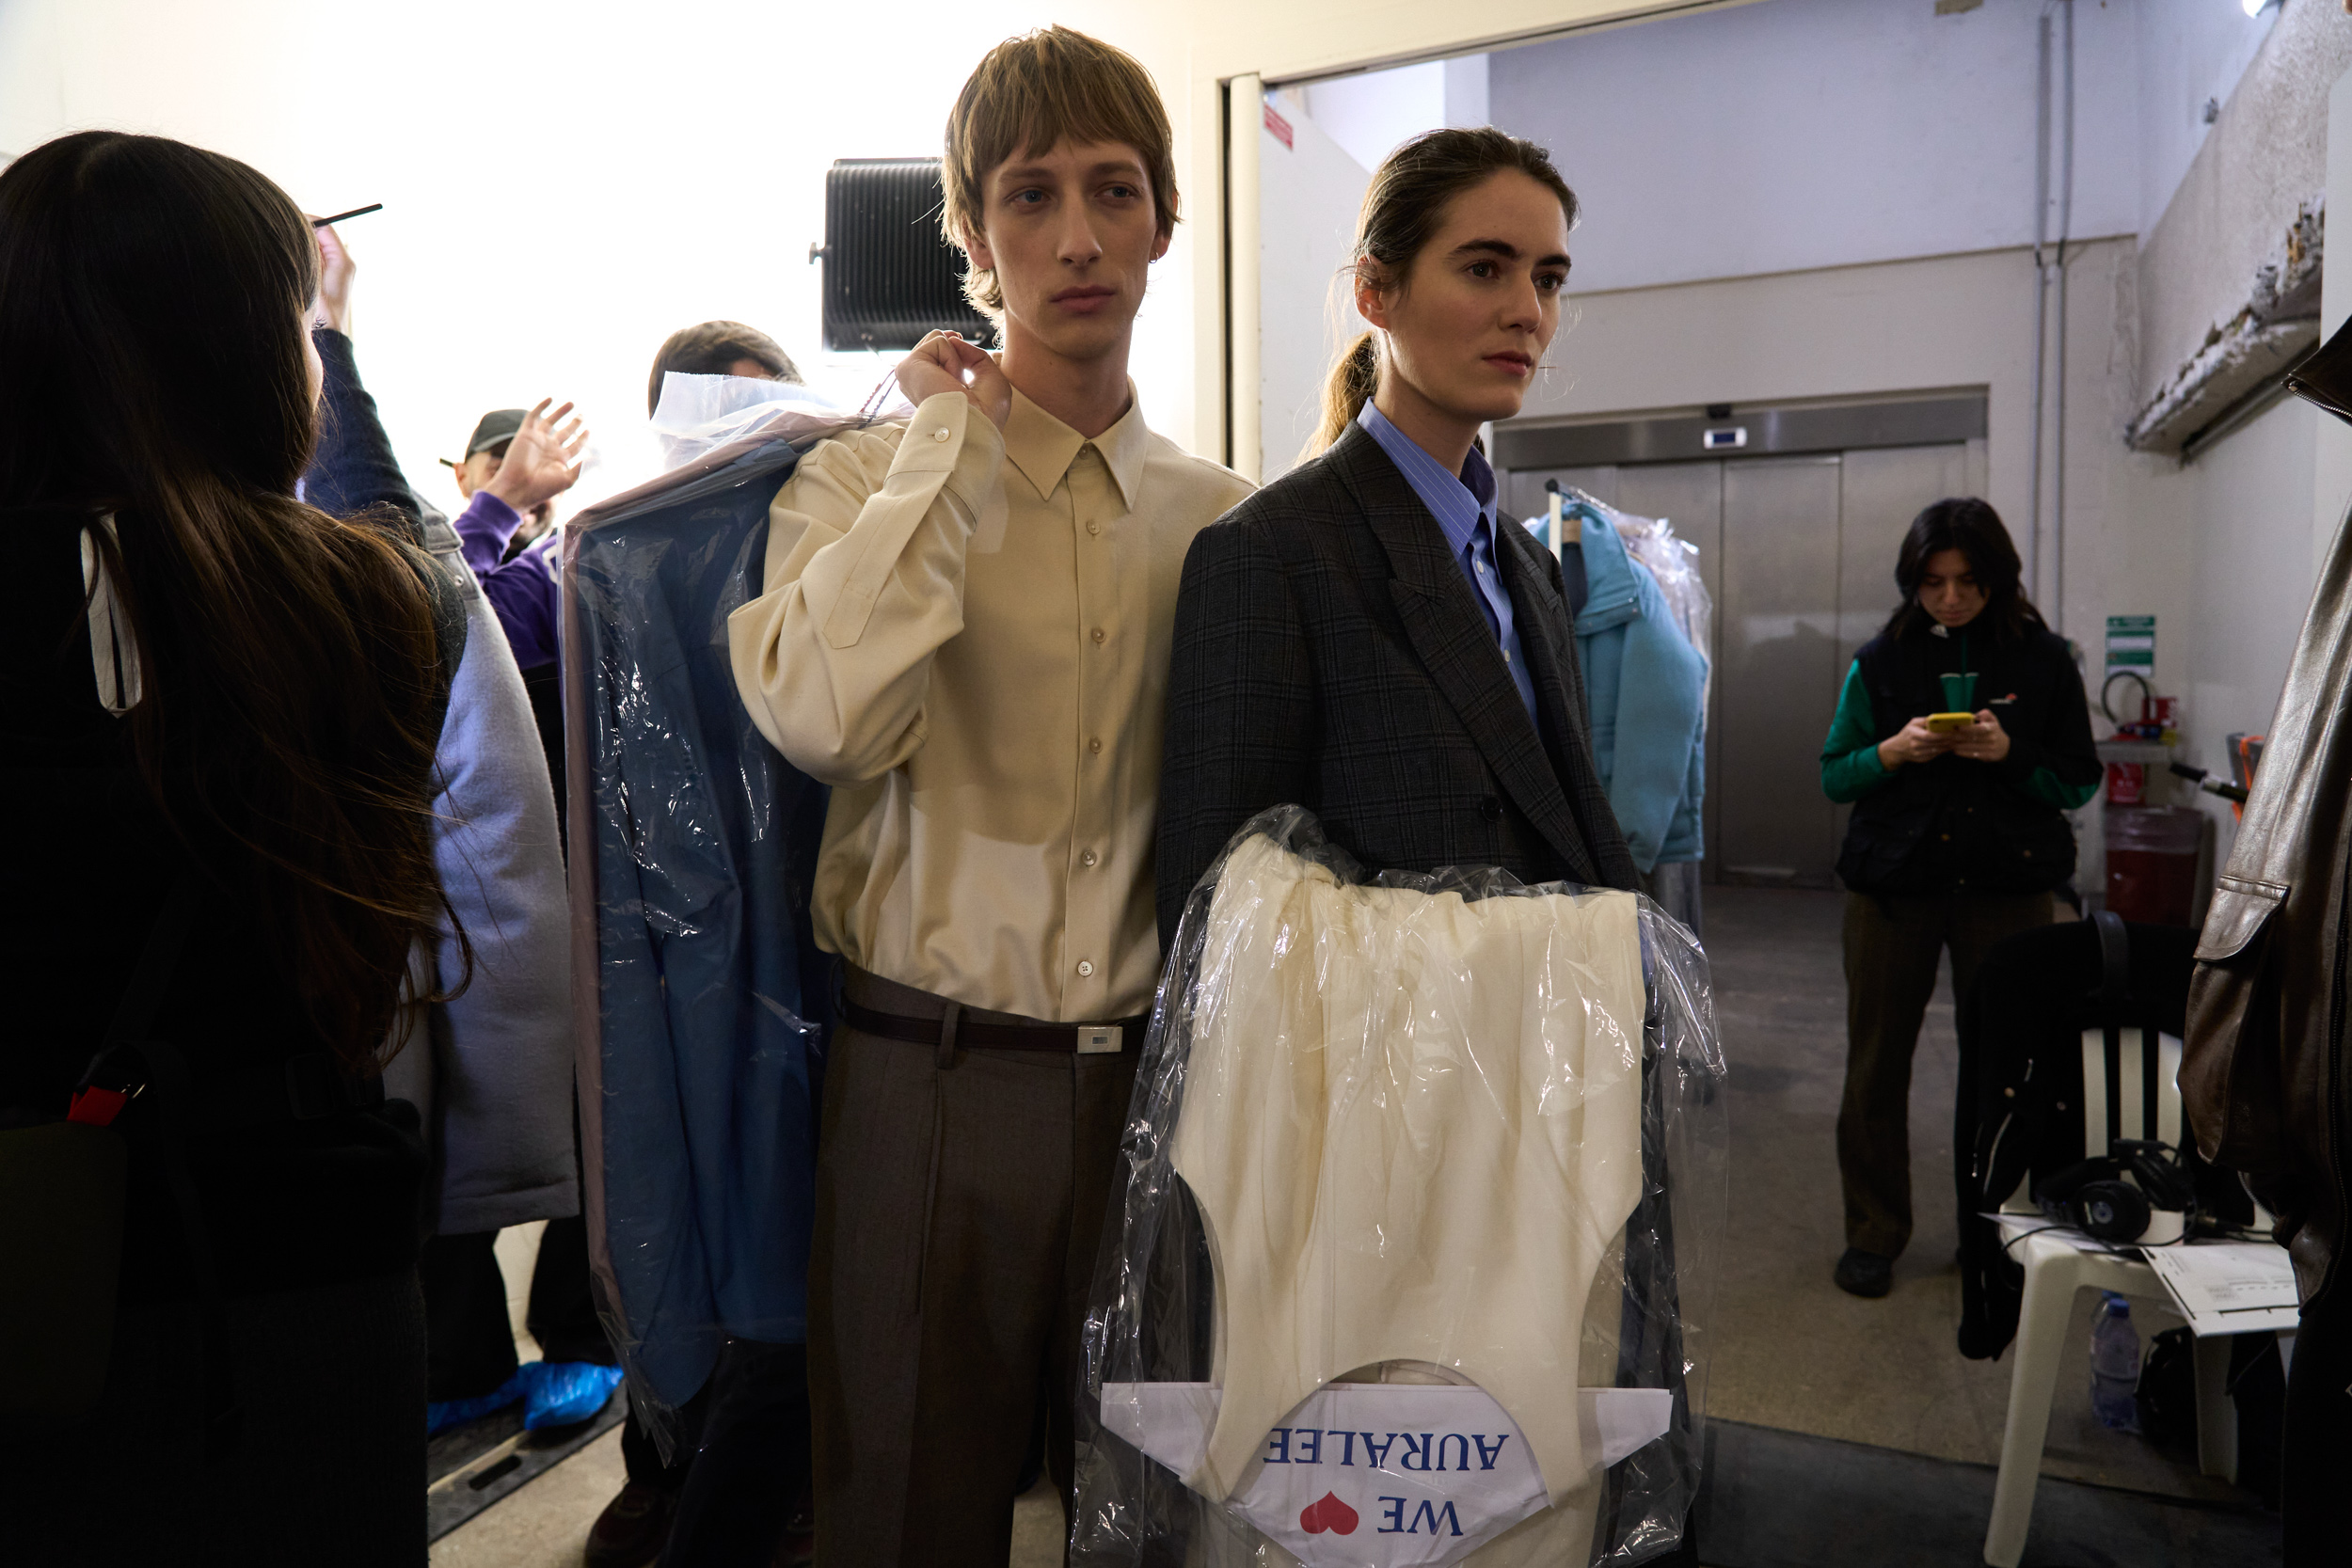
(1644,686)
(710,994)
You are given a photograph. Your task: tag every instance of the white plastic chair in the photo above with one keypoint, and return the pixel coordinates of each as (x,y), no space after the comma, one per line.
(2057,1266)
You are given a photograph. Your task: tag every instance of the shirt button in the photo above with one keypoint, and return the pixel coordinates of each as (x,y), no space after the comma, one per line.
(1099,634)
(1479,566)
(1094,528)
(1095,746)
(1085,967)
(940,435)
(1086,859)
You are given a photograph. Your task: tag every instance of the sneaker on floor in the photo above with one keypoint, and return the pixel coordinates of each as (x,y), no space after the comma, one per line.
(633,1528)
(1864,1273)
(564,1393)
(444,1414)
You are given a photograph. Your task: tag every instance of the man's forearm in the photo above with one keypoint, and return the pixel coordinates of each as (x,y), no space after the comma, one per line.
(865,568)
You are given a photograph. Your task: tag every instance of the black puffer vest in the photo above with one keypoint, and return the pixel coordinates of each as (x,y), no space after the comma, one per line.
(1955,824)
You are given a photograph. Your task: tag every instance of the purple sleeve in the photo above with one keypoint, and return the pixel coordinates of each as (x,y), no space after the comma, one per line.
(484,527)
(523,593)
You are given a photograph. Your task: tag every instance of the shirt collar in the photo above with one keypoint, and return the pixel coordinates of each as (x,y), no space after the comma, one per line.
(1042,447)
(1460,503)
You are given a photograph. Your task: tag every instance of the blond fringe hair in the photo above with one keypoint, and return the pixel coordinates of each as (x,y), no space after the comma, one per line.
(1029,95)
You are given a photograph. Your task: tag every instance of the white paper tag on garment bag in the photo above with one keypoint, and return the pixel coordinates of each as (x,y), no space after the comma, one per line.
(1383,1475)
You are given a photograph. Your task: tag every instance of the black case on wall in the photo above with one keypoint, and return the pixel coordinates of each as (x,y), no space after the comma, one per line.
(890,276)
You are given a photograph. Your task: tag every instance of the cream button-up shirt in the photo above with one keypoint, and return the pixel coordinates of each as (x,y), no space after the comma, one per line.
(967,635)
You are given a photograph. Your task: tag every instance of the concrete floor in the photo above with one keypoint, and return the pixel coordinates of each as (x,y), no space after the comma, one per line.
(1791,1350)
(1787,1349)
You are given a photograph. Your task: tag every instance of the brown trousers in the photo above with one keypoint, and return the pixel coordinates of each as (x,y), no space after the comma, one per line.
(1892,946)
(959,1200)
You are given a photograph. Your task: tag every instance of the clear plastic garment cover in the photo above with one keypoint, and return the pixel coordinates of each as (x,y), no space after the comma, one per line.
(698,993)
(1422,1189)
(1673,561)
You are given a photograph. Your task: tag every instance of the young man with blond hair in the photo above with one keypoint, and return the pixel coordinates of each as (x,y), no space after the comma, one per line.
(966,631)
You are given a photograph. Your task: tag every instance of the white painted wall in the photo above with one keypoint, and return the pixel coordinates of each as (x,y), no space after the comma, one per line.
(2250,504)
(1368,115)
(1469,90)
(1803,134)
(2190,52)
(1314,187)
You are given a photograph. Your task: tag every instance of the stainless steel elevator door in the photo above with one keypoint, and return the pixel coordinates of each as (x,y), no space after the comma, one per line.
(1777,685)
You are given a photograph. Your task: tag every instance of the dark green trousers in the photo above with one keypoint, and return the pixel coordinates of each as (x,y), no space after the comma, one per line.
(1892,947)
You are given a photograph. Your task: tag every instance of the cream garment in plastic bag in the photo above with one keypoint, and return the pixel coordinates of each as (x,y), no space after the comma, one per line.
(1412,1125)
(1423,1184)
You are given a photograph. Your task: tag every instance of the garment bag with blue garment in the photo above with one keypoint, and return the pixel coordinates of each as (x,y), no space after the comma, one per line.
(698,994)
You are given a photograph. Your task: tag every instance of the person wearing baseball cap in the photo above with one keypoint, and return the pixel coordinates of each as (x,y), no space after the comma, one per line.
(516,462)
(486,450)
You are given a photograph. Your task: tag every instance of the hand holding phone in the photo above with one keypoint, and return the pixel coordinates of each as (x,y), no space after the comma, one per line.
(1917,741)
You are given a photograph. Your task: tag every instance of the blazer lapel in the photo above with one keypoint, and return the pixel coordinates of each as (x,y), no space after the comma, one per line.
(1455,646)
(1547,640)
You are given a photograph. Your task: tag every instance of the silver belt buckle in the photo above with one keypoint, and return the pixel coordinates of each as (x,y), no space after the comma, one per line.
(1099,1039)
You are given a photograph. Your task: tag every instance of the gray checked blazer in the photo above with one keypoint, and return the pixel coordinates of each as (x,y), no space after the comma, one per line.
(1329,654)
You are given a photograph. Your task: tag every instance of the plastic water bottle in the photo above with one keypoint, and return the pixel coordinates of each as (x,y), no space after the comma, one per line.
(2114,1364)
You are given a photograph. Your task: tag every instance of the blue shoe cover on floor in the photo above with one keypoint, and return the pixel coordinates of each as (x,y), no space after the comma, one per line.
(559,1393)
(453,1413)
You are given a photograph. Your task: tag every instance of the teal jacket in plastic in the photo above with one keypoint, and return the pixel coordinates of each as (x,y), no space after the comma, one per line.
(1644,684)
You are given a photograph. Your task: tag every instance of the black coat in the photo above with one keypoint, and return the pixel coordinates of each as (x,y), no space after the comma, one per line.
(1955,824)
(1329,654)
(286,1204)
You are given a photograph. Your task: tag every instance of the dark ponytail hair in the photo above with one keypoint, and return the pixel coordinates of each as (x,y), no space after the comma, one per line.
(1970,526)
(153,311)
(1403,206)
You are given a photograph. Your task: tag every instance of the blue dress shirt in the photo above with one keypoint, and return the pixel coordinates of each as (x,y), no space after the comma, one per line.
(1464,505)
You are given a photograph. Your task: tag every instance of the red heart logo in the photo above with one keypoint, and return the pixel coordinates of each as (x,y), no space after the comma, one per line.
(1328,1513)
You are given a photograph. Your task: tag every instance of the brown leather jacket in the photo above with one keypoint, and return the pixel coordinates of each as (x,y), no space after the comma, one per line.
(2263,1075)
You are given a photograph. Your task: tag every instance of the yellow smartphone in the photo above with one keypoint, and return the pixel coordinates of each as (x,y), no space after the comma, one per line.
(1944,723)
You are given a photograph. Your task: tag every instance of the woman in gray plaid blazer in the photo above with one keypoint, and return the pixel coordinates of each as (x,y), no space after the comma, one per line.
(1367,637)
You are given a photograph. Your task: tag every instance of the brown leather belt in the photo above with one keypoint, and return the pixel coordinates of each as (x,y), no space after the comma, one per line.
(1084,1040)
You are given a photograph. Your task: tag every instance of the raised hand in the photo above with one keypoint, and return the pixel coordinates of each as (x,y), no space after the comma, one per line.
(543,461)
(944,363)
(336,273)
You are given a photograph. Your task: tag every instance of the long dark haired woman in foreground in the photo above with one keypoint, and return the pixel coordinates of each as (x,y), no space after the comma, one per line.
(1368,636)
(216,746)
(1958,835)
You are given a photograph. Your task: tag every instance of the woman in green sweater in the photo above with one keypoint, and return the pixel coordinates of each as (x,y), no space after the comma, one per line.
(1958,835)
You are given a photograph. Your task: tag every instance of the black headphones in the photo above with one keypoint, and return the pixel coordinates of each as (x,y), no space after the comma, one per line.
(2094,1196)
